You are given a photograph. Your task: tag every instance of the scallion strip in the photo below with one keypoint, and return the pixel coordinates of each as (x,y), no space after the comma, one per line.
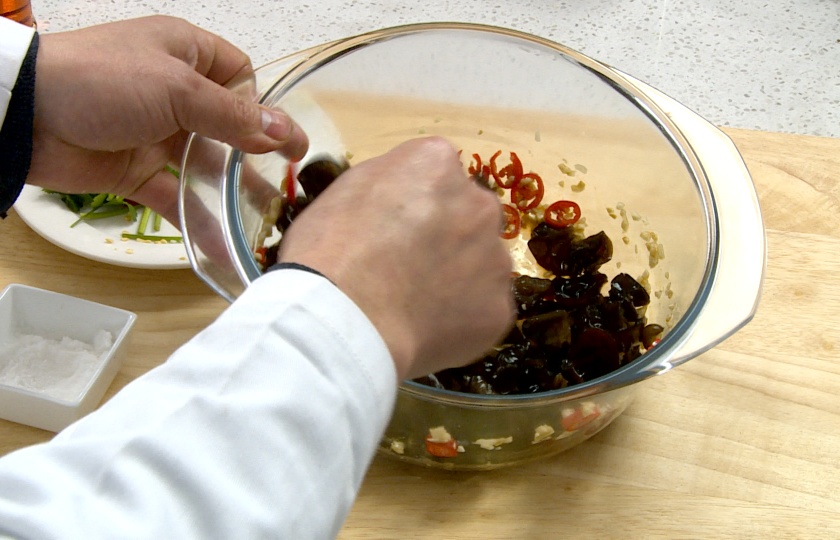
(144,220)
(101,214)
(152,237)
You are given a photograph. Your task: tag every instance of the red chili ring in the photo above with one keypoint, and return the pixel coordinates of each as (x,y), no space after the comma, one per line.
(523,196)
(556,215)
(493,170)
(510,174)
(512,222)
(475,169)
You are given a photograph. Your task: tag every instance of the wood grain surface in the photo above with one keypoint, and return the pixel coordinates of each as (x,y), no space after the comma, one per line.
(741,442)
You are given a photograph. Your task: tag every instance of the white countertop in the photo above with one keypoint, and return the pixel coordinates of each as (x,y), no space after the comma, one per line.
(752,64)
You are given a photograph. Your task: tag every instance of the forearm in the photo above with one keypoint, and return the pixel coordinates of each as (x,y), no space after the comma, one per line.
(263,424)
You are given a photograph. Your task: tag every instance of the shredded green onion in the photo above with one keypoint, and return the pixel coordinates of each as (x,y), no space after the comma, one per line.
(94,206)
(153,238)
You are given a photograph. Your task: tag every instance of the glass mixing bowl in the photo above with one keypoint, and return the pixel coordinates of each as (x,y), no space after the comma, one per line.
(668,188)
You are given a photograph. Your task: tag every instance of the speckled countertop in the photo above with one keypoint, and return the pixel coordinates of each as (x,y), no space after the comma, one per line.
(772,66)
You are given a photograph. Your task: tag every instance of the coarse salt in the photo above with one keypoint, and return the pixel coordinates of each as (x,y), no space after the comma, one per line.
(57,368)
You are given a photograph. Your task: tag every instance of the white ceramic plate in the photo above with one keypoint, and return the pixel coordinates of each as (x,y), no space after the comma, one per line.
(97,240)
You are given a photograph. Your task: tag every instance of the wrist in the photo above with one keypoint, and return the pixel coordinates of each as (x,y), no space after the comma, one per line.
(379,307)
(389,315)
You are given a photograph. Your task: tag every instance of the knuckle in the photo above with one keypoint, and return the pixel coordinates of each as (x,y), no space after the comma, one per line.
(244,116)
(440,145)
(181,83)
(174,25)
(438,153)
(182,87)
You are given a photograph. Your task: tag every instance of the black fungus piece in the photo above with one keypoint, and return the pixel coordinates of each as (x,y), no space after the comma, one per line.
(610,315)
(314,178)
(624,287)
(431,380)
(628,340)
(632,354)
(289,212)
(533,376)
(271,255)
(649,334)
(475,384)
(533,296)
(501,369)
(505,380)
(450,379)
(526,287)
(317,175)
(577,291)
(570,373)
(509,356)
(514,337)
(630,312)
(552,329)
(550,246)
(557,382)
(562,253)
(590,316)
(587,255)
(594,353)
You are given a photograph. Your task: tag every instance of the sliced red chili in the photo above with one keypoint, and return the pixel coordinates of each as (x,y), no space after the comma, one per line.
(528,192)
(442,449)
(562,214)
(475,169)
(512,222)
(290,184)
(513,171)
(510,174)
(493,169)
(260,251)
(576,419)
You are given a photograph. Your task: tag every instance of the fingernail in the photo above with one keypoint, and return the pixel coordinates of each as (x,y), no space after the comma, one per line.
(276,125)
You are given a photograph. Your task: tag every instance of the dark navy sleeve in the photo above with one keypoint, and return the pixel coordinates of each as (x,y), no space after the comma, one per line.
(16,132)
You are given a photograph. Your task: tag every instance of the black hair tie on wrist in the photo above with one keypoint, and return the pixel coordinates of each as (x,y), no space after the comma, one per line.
(16,132)
(296,266)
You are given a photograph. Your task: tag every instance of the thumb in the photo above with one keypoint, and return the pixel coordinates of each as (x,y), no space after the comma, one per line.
(218,113)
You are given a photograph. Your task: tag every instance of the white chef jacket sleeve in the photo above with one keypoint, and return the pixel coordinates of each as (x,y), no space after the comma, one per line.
(14,42)
(262,426)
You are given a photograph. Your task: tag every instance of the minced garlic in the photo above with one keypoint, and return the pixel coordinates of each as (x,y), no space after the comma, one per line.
(439,435)
(565,169)
(493,444)
(542,433)
(398,447)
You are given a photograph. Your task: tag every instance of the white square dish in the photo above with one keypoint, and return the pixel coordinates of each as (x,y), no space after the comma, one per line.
(58,355)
